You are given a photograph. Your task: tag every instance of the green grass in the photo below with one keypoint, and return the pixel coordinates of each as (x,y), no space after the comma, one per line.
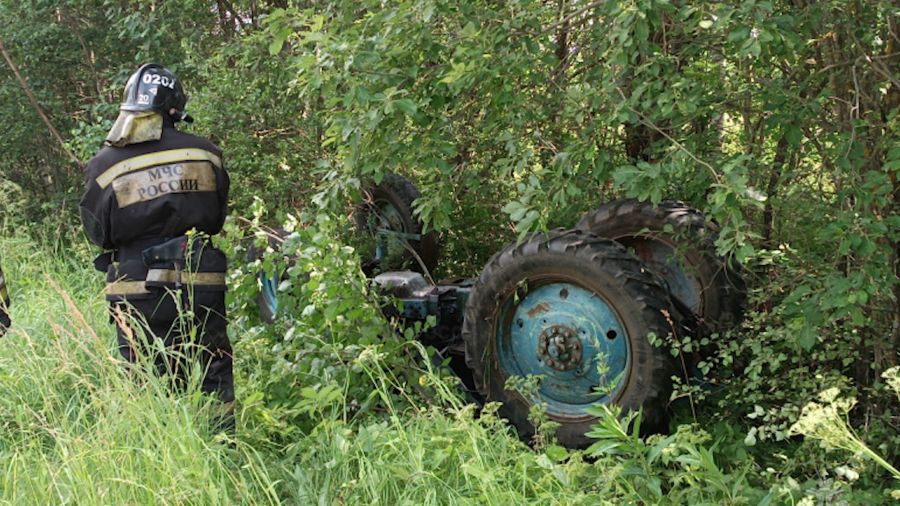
(77,428)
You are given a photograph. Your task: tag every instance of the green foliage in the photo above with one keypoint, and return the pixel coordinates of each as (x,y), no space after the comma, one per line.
(675,469)
(777,118)
(304,364)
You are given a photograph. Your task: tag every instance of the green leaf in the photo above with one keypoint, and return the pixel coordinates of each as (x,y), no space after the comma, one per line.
(807,338)
(739,34)
(275,46)
(557,453)
(469,31)
(793,135)
(279,40)
(641,30)
(406,106)
(658,448)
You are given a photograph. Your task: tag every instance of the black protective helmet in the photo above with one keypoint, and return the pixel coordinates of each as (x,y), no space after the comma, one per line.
(154,88)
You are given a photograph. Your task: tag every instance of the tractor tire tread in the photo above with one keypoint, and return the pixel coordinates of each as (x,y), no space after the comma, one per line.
(725,281)
(649,297)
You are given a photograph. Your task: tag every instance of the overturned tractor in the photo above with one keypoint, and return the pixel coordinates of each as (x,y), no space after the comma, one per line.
(582,310)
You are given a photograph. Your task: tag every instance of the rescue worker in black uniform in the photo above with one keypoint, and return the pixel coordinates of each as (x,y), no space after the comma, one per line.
(152,195)
(4,305)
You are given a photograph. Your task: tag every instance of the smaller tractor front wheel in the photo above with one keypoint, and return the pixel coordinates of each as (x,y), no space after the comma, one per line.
(386,219)
(385,223)
(577,312)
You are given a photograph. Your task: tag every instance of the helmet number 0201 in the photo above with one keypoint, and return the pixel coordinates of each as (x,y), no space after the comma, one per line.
(166,81)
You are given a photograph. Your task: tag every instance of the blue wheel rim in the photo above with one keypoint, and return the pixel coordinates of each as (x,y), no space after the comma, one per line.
(269,289)
(569,336)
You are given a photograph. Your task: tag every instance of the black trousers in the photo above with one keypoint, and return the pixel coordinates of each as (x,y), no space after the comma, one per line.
(202,338)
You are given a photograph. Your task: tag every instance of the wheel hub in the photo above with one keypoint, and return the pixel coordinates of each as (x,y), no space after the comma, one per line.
(389,216)
(559,348)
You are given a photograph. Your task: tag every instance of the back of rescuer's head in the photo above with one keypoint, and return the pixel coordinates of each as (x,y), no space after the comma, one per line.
(153,98)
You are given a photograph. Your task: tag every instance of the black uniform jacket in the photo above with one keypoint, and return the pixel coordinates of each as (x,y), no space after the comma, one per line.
(140,195)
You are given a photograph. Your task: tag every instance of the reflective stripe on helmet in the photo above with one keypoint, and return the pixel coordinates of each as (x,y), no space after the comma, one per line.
(158,158)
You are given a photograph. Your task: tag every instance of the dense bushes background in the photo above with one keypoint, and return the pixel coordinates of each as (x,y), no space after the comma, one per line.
(778,118)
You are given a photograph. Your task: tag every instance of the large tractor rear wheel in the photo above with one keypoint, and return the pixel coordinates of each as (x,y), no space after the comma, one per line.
(578,312)
(678,243)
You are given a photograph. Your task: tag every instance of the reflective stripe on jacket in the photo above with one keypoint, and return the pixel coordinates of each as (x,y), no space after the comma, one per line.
(154,189)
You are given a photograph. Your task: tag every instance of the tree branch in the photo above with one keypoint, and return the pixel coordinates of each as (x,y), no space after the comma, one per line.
(37,107)
(570,17)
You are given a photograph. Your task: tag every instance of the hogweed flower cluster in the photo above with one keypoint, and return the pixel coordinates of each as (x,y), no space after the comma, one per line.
(826,421)
(892,376)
